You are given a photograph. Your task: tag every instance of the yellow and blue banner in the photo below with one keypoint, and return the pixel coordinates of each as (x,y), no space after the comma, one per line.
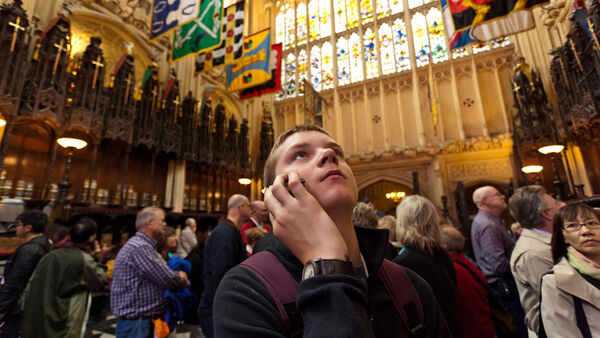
(253,68)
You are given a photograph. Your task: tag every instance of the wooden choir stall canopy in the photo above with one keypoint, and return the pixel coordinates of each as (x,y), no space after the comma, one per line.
(134,136)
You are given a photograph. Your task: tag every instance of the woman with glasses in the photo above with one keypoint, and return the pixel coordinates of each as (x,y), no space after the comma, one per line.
(570,305)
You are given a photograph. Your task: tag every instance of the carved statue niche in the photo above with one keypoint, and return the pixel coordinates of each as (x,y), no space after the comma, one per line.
(146,124)
(534,122)
(204,131)
(14,43)
(85,110)
(45,86)
(594,24)
(90,76)
(231,155)
(587,60)
(243,145)
(561,85)
(218,140)
(119,114)
(266,138)
(147,109)
(189,142)
(171,117)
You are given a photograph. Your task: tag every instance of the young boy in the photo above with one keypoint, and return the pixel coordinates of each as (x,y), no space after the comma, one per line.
(312,220)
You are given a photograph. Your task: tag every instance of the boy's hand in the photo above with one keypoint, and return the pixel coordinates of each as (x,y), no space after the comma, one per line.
(300,223)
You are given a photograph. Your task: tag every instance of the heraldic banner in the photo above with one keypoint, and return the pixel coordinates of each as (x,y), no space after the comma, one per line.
(471,21)
(230,47)
(201,34)
(167,15)
(272,85)
(253,68)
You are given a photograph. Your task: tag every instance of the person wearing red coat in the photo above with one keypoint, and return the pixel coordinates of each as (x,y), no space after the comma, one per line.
(471,297)
(258,218)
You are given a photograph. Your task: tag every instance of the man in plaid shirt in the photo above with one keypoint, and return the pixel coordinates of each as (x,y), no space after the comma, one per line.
(492,246)
(141,277)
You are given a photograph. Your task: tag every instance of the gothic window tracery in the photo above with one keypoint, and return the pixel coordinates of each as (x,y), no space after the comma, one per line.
(360,40)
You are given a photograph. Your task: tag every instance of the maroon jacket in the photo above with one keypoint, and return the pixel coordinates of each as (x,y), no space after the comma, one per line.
(248,225)
(471,301)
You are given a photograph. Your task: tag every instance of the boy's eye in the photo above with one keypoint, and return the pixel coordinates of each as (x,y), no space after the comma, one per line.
(300,154)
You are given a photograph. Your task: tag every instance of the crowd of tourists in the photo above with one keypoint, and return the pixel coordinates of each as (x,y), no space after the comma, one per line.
(311,261)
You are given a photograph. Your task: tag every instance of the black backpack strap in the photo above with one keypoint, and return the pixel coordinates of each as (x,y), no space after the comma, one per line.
(582,322)
(405,297)
(281,285)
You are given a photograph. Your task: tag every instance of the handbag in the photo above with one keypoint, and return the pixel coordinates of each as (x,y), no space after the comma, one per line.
(503,320)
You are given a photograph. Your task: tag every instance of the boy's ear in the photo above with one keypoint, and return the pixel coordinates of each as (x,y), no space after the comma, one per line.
(28,228)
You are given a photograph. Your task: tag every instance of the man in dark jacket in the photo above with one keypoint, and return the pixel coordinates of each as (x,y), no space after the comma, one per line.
(59,293)
(224,249)
(21,264)
(340,292)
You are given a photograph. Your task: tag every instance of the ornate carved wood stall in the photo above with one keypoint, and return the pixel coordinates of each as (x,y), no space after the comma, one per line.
(132,133)
(575,73)
(535,126)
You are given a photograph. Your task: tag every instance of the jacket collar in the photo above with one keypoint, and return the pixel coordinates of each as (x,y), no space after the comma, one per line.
(372,247)
(536,235)
(227,221)
(571,282)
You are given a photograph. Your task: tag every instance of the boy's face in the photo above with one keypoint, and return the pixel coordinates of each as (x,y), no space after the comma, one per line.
(320,162)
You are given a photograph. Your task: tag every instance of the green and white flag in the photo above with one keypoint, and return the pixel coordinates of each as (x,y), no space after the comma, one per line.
(201,34)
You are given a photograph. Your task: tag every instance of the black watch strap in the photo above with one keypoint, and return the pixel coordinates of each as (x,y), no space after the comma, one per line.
(319,266)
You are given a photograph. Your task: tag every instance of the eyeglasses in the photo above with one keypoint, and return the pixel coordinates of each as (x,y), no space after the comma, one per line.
(572,227)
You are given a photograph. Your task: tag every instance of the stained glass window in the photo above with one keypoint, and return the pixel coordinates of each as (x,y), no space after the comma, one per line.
(343,63)
(280,24)
(290,29)
(401,46)
(327,65)
(280,95)
(436,35)
(290,75)
(366,11)
(302,70)
(339,9)
(356,67)
(386,47)
(313,19)
(460,52)
(383,8)
(351,13)
(414,3)
(304,28)
(315,67)
(301,30)
(479,47)
(396,6)
(421,43)
(370,53)
(500,42)
(324,13)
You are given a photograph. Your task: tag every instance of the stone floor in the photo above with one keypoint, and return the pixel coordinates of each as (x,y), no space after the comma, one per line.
(106,329)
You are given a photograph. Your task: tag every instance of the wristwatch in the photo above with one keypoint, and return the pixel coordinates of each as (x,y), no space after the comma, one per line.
(319,266)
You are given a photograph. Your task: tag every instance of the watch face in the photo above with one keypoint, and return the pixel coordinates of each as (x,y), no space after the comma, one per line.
(309,270)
